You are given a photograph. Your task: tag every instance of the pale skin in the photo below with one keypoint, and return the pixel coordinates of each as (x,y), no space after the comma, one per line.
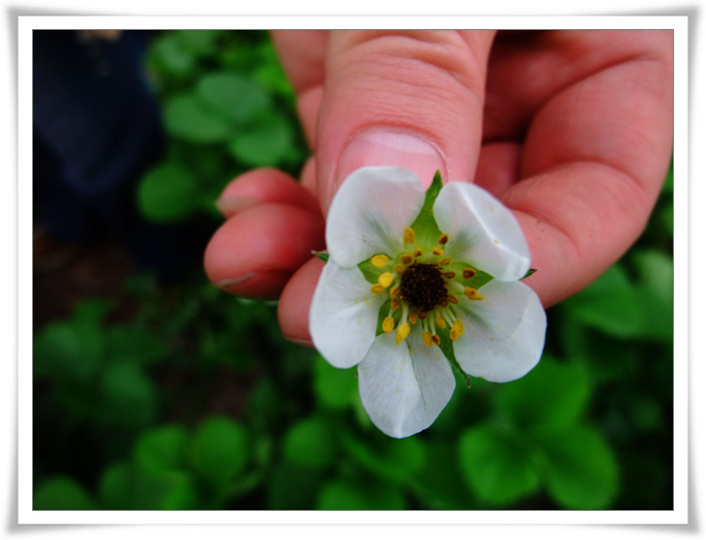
(572,130)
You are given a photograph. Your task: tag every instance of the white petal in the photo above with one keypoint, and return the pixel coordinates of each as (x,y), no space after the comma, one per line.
(343,315)
(504,333)
(370,212)
(482,231)
(404,387)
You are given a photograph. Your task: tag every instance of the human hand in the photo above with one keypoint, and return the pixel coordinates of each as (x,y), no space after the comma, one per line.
(572,130)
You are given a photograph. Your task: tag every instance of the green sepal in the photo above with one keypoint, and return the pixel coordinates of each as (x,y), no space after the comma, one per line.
(447,347)
(321,255)
(529,273)
(481,278)
(370,272)
(382,315)
(425,226)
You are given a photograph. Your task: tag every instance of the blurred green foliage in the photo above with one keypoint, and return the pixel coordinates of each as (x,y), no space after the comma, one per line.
(195,401)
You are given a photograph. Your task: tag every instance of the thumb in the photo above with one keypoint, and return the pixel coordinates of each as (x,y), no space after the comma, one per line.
(401,98)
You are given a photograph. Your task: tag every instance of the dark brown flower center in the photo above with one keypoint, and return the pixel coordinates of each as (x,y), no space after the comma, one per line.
(423,286)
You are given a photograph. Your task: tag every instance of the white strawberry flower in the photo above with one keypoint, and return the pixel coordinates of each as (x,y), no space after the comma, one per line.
(417,282)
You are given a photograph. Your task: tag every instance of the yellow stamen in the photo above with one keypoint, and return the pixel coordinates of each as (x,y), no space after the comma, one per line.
(388,325)
(457,330)
(437,251)
(377,289)
(450,274)
(435,339)
(395,292)
(417,252)
(441,323)
(413,317)
(452,299)
(400,268)
(443,239)
(472,294)
(379,261)
(408,236)
(385,279)
(402,332)
(407,258)
(394,304)
(445,261)
(427,339)
(469,273)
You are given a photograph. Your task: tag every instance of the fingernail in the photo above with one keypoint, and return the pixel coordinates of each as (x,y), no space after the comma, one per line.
(389,148)
(231,204)
(302,342)
(228,283)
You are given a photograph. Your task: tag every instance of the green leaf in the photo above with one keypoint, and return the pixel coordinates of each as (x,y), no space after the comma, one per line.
(609,305)
(496,464)
(68,351)
(162,449)
(232,96)
(170,57)
(334,388)
(291,487)
(167,193)
(136,345)
(655,293)
(127,486)
(578,467)
(321,255)
(62,493)
(267,143)
(311,443)
(220,450)
(551,394)
(346,494)
(187,117)
(424,225)
(129,397)
(397,460)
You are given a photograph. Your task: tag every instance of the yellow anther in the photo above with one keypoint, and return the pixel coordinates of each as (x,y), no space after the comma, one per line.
(469,273)
(402,332)
(435,339)
(417,252)
(407,258)
(413,317)
(458,324)
(395,292)
(427,339)
(452,299)
(394,304)
(445,261)
(437,251)
(409,236)
(443,239)
(385,279)
(472,294)
(450,274)
(454,334)
(388,325)
(441,323)
(377,289)
(399,269)
(379,261)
